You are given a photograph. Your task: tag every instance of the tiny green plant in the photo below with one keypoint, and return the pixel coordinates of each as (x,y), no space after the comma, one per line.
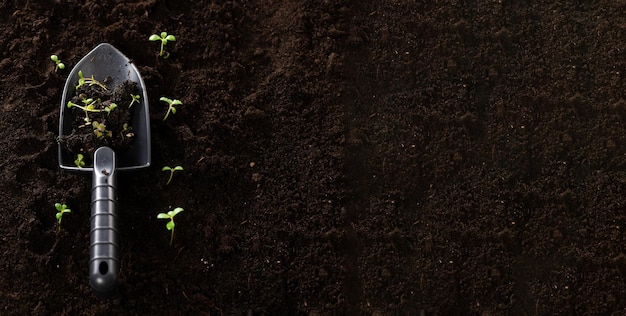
(135,99)
(100,130)
(88,102)
(171,104)
(61,209)
(80,162)
(127,131)
(81,79)
(170,216)
(90,80)
(171,170)
(109,108)
(57,62)
(88,107)
(164,38)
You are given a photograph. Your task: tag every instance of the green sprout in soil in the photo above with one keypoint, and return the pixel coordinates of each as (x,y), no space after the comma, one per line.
(135,99)
(91,81)
(171,104)
(61,209)
(81,79)
(99,129)
(164,38)
(170,216)
(87,108)
(171,170)
(88,102)
(127,131)
(109,108)
(79,161)
(57,62)
(89,105)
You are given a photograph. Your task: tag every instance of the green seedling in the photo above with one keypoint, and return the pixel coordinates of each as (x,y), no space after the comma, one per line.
(89,107)
(88,102)
(61,209)
(127,131)
(171,170)
(171,104)
(109,108)
(57,62)
(91,81)
(79,162)
(135,99)
(100,130)
(170,216)
(81,79)
(164,38)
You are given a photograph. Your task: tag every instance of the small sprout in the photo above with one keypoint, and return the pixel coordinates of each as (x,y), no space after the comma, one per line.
(57,62)
(171,170)
(126,131)
(79,161)
(81,80)
(61,209)
(71,104)
(170,225)
(171,104)
(164,38)
(89,107)
(135,99)
(88,102)
(110,108)
(99,129)
(92,81)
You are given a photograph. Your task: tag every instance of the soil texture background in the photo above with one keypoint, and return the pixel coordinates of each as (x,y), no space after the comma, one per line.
(340,158)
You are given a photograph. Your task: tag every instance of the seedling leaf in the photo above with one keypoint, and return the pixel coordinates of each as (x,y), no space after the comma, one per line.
(62,209)
(164,38)
(57,62)
(171,170)
(79,162)
(171,108)
(176,211)
(170,225)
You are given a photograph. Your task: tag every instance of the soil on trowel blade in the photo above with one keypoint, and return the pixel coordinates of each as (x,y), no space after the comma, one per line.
(101,116)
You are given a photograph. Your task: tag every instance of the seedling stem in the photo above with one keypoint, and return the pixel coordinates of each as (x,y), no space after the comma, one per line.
(57,62)
(171,170)
(79,161)
(61,209)
(171,104)
(92,81)
(164,38)
(135,99)
(170,216)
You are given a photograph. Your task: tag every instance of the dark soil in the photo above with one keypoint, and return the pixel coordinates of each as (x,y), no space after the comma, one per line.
(341,157)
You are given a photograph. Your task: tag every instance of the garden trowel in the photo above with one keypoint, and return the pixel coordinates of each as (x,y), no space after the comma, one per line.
(105,61)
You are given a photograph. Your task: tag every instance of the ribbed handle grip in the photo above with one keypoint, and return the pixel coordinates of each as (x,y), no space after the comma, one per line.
(104,237)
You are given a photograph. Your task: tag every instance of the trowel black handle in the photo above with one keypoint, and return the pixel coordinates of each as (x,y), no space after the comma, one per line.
(104,237)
